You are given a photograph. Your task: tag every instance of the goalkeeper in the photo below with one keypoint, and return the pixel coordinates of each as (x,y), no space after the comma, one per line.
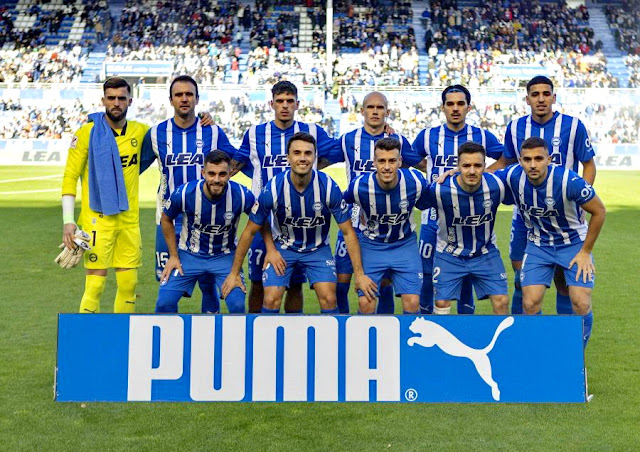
(105,155)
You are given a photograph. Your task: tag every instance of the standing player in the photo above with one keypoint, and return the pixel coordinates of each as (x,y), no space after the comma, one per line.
(298,203)
(466,210)
(105,154)
(357,153)
(440,147)
(386,199)
(210,209)
(550,199)
(568,143)
(264,152)
(180,144)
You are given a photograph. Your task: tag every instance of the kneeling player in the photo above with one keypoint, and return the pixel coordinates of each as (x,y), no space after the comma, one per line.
(386,199)
(210,210)
(466,244)
(550,199)
(299,202)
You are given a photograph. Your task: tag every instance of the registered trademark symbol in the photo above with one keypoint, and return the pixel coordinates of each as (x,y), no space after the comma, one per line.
(411,394)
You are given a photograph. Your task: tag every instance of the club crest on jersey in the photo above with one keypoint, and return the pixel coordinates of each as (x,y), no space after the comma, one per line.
(134,142)
(229,216)
(556,141)
(487,204)
(403,204)
(549,201)
(199,144)
(317,206)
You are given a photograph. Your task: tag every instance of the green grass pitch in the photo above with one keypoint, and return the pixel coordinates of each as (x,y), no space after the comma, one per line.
(33,291)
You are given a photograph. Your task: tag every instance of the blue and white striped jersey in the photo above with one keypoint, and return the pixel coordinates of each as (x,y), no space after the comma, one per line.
(300,221)
(180,153)
(357,151)
(551,210)
(466,220)
(208,226)
(566,136)
(386,216)
(439,145)
(264,147)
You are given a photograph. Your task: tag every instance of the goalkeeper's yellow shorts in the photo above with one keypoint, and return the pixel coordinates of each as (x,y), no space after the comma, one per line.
(117,249)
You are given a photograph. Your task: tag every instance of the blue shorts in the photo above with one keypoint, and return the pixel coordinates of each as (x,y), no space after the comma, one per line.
(194,267)
(393,259)
(256,253)
(486,271)
(427,246)
(539,265)
(162,255)
(318,266)
(343,260)
(518,239)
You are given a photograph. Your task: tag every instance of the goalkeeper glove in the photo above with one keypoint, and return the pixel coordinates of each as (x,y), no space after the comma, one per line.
(69,258)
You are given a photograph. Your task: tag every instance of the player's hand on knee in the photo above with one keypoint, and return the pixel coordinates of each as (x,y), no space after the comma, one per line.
(173,264)
(367,286)
(585,266)
(275,258)
(71,255)
(232,281)
(446,174)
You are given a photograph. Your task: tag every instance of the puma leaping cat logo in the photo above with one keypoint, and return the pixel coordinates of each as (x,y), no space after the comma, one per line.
(430,334)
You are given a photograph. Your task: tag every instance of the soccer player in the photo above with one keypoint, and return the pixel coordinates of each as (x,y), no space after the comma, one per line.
(386,199)
(263,154)
(439,145)
(466,207)
(569,144)
(298,203)
(210,210)
(180,144)
(550,199)
(357,153)
(105,154)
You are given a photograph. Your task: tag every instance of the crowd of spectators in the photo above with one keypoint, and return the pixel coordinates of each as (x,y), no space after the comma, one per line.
(381,65)
(52,122)
(60,64)
(633,65)
(514,24)
(624,22)
(266,66)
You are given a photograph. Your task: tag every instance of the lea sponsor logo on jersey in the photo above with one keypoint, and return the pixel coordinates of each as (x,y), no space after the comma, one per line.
(473,220)
(128,160)
(389,218)
(446,160)
(304,222)
(214,229)
(275,161)
(542,212)
(183,158)
(365,166)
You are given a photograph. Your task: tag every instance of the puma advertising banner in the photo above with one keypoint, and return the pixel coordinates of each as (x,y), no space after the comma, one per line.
(278,358)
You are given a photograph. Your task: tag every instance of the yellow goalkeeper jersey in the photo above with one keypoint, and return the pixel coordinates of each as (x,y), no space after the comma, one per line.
(129,141)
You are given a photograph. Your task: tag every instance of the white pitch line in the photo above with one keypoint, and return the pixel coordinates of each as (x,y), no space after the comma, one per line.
(26,179)
(24,192)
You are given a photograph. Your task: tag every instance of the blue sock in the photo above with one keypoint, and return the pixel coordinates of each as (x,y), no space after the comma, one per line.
(270,311)
(587,322)
(299,311)
(333,311)
(426,295)
(466,304)
(210,301)
(385,301)
(342,293)
(563,304)
(516,301)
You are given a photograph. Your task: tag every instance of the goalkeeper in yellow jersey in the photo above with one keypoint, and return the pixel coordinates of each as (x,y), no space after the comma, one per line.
(105,155)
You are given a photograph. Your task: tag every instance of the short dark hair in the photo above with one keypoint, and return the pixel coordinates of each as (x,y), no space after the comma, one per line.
(215,157)
(456,89)
(284,87)
(183,78)
(387,144)
(471,147)
(116,82)
(534,142)
(539,80)
(302,136)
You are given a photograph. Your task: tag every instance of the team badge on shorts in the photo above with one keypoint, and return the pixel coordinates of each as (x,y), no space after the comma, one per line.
(264,277)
